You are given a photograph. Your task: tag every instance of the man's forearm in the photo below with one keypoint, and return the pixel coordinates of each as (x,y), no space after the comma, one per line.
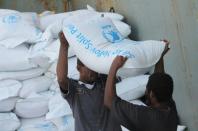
(62,66)
(159,66)
(110,90)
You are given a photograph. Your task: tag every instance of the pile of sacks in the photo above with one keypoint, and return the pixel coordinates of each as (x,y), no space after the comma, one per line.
(30,99)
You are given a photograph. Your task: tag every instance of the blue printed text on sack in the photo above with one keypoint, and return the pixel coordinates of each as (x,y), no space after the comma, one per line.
(87,43)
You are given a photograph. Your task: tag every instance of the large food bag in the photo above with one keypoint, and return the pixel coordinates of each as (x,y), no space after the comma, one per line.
(53,23)
(17,28)
(37,124)
(132,88)
(22,75)
(14,59)
(65,123)
(9,88)
(72,70)
(58,107)
(36,85)
(31,107)
(34,106)
(96,42)
(9,122)
(47,20)
(8,104)
(122,27)
(44,56)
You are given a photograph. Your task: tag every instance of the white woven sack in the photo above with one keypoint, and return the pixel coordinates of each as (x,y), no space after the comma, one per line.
(65,123)
(31,107)
(58,107)
(22,75)
(96,42)
(9,88)
(37,124)
(9,122)
(132,88)
(36,85)
(12,21)
(14,59)
(8,104)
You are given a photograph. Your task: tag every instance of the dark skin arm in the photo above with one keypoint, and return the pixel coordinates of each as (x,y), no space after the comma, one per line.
(110,90)
(159,66)
(62,65)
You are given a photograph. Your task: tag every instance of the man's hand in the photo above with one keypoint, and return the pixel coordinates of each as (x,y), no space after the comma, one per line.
(166,47)
(118,62)
(63,40)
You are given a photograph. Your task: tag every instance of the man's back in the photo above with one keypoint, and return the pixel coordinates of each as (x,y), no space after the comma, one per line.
(141,118)
(88,108)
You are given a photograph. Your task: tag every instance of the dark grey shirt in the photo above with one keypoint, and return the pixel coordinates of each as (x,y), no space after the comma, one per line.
(142,118)
(88,108)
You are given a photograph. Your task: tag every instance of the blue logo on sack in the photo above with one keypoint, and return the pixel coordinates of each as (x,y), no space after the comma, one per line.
(111,34)
(11,18)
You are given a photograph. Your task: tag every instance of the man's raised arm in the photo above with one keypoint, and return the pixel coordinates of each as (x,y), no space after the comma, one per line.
(159,66)
(110,88)
(62,65)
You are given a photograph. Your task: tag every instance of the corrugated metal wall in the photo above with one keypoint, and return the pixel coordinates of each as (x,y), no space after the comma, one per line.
(175,20)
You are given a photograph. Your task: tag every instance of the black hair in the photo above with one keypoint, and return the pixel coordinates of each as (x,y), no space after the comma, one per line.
(161,85)
(79,62)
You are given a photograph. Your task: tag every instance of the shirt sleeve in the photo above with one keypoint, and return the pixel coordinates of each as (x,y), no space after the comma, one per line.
(70,92)
(127,114)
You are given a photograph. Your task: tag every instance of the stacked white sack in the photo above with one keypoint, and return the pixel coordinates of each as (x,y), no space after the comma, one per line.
(35,105)
(9,90)
(12,21)
(9,122)
(45,55)
(53,22)
(132,88)
(15,59)
(37,124)
(96,42)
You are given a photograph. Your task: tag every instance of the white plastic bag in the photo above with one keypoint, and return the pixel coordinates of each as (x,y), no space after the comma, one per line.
(36,85)
(132,88)
(18,28)
(14,59)
(96,42)
(9,122)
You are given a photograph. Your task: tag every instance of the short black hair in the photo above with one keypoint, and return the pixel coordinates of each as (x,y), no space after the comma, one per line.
(161,85)
(79,62)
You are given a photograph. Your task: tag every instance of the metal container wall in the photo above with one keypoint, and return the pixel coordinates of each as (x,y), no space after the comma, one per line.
(177,21)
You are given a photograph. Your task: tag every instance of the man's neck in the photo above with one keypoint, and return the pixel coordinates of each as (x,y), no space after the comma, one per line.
(161,106)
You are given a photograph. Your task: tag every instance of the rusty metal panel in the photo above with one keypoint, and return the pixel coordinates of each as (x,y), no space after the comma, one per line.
(35,5)
(177,21)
